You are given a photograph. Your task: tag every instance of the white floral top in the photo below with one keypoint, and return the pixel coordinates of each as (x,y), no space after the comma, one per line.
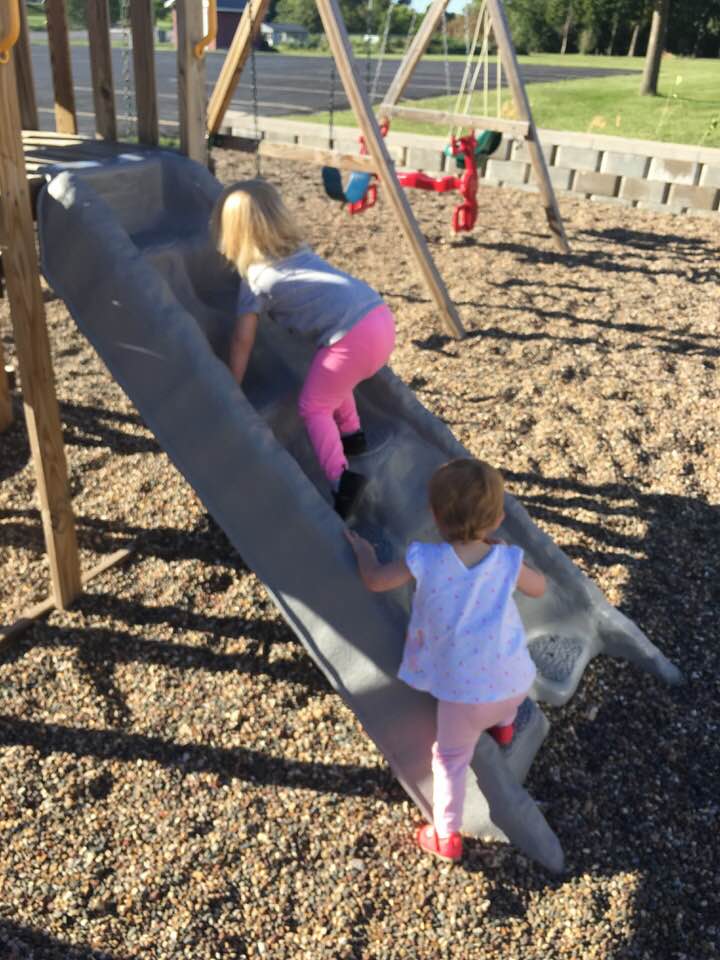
(465,641)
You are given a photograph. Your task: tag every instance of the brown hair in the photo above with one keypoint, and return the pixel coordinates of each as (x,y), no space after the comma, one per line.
(251,224)
(466,497)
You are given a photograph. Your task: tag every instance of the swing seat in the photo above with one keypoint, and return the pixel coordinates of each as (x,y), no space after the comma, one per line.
(487,143)
(352,192)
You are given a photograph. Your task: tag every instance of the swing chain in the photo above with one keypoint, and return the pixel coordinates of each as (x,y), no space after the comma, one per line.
(368,62)
(253,82)
(410,34)
(383,49)
(448,89)
(331,105)
(125,67)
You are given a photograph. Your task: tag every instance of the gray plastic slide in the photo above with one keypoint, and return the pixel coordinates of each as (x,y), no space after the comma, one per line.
(126,245)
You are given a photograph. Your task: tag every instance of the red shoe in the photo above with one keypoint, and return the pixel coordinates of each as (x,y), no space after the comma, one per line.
(447,848)
(503,735)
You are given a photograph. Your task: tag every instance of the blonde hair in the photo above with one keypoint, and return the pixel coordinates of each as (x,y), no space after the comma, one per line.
(466,497)
(251,224)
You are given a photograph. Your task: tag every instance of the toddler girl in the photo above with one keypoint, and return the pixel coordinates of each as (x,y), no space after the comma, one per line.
(353,330)
(465,643)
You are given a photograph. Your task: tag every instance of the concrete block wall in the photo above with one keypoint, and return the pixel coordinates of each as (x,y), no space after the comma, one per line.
(675,178)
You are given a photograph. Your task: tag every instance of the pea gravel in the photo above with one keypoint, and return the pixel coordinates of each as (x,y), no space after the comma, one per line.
(177,780)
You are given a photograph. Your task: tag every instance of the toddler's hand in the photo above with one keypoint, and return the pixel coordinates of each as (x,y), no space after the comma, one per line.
(362,548)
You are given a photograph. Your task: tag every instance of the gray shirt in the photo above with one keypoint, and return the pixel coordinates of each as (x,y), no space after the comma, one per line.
(307,295)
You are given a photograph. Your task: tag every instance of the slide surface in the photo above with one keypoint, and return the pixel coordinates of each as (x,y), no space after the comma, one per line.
(126,245)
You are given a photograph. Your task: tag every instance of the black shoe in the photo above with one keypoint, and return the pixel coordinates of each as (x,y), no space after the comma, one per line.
(349,492)
(354,444)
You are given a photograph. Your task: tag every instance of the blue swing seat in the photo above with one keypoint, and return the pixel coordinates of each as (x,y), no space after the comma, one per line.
(352,192)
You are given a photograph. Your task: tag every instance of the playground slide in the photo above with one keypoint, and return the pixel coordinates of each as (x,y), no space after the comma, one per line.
(126,245)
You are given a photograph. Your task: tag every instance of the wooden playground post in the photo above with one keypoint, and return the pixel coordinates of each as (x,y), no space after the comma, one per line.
(24,75)
(235,59)
(36,376)
(191,81)
(59,44)
(507,57)
(141,25)
(342,51)
(381,163)
(537,157)
(417,48)
(98,26)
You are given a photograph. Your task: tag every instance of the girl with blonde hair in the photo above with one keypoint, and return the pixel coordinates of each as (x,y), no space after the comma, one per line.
(465,642)
(351,326)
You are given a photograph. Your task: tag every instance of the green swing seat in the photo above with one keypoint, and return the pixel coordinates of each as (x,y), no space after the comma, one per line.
(487,143)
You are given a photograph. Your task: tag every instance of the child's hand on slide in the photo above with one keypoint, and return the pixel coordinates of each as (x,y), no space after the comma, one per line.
(363,549)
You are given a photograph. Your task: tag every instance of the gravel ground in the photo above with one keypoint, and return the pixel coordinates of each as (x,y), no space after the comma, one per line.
(177,778)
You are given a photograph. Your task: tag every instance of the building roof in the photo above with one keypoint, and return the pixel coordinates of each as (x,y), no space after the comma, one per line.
(231,6)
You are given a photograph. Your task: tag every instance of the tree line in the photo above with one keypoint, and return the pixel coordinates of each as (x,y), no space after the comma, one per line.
(578,26)
(692,27)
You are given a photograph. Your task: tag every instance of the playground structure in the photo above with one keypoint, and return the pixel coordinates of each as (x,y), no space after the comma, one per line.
(491,23)
(154,274)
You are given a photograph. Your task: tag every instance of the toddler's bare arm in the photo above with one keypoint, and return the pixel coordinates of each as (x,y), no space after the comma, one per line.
(377,576)
(531,582)
(242,342)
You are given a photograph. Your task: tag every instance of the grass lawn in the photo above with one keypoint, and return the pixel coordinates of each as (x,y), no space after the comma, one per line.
(686,110)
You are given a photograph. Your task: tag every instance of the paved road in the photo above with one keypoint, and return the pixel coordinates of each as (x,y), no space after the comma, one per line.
(286,85)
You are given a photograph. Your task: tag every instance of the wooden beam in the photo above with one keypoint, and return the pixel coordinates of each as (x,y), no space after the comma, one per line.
(24,75)
(61,64)
(141,24)
(417,48)
(13,630)
(27,310)
(252,17)
(342,52)
(51,136)
(522,106)
(191,80)
(317,156)
(98,25)
(518,128)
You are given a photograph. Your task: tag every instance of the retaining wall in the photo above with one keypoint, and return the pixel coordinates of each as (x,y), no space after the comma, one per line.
(672,177)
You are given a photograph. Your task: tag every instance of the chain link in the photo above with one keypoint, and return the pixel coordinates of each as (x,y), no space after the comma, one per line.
(383,49)
(448,89)
(128,93)
(331,105)
(253,81)
(410,34)
(368,27)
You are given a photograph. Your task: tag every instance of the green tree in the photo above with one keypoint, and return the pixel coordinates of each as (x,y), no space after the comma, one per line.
(355,14)
(656,45)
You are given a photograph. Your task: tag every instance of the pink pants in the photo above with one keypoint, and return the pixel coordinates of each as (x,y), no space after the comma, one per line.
(459,726)
(327,405)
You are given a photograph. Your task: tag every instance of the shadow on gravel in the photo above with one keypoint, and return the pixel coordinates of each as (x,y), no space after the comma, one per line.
(24,943)
(704,270)
(205,542)
(88,426)
(100,650)
(662,339)
(14,446)
(252,766)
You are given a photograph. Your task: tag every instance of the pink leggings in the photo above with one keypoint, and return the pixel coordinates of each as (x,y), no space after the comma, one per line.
(459,726)
(327,405)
